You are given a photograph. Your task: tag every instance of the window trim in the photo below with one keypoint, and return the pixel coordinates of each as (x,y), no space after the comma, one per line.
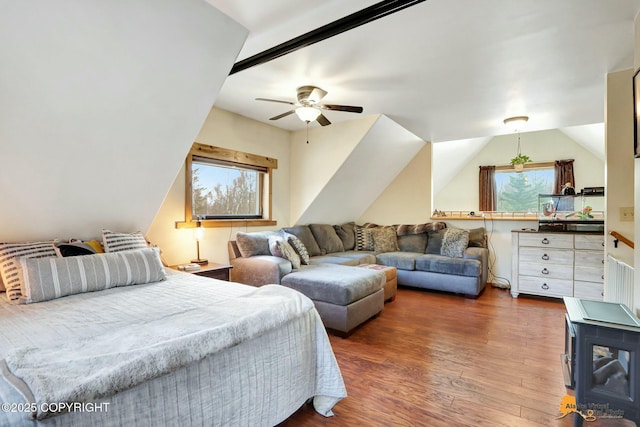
(241,159)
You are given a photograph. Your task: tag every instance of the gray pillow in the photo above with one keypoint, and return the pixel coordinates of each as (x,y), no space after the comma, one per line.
(434,242)
(454,242)
(413,242)
(303,232)
(279,247)
(347,233)
(299,247)
(327,238)
(252,244)
(477,238)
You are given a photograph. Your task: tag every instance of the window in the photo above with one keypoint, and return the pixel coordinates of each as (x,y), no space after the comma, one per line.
(222,190)
(226,187)
(518,191)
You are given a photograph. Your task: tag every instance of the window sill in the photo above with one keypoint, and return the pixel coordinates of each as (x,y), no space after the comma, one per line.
(494,216)
(212,223)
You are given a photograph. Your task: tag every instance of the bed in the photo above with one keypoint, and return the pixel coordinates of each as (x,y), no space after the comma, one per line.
(256,378)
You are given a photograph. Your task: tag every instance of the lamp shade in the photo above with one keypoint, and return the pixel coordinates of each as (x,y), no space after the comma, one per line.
(307,114)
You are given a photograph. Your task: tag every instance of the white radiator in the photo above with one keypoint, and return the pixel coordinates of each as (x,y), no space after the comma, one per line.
(619,286)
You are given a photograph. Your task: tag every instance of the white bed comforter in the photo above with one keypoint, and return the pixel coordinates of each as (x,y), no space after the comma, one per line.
(86,347)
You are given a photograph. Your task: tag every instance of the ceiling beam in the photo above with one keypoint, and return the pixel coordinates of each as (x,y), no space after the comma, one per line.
(364,16)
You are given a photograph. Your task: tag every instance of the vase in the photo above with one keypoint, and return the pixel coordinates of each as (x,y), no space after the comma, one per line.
(518,167)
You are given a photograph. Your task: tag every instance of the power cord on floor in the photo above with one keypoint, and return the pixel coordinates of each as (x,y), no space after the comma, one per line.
(496,281)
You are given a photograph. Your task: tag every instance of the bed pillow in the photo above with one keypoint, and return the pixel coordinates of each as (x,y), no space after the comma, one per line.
(50,278)
(76,248)
(116,242)
(454,242)
(10,268)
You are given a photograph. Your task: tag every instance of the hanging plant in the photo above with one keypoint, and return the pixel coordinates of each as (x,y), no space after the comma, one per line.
(520,159)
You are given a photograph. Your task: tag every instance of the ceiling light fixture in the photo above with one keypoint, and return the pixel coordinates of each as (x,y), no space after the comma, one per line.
(515,124)
(307,114)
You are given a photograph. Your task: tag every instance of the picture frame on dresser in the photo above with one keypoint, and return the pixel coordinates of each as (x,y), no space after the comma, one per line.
(636,113)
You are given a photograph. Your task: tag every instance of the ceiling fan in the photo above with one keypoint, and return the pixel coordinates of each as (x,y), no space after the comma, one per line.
(308,106)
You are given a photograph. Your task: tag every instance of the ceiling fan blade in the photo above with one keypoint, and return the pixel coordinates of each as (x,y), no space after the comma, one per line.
(279,116)
(275,100)
(347,108)
(323,120)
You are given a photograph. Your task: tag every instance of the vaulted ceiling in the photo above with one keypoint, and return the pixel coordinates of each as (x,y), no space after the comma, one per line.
(443,69)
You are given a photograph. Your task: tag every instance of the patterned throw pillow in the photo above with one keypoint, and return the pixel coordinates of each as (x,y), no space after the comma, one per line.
(10,267)
(299,247)
(364,241)
(384,239)
(50,278)
(454,242)
(116,242)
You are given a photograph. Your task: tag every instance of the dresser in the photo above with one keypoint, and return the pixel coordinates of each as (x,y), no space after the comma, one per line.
(557,264)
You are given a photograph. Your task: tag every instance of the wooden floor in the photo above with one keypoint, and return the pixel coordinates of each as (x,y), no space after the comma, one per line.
(436,359)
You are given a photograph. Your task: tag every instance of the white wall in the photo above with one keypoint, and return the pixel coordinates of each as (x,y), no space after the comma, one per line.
(227,130)
(407,199)
(542,146)
(345,168)
(619,158)
(100,103)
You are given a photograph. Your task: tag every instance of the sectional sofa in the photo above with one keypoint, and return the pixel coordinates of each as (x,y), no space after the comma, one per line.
(430,256)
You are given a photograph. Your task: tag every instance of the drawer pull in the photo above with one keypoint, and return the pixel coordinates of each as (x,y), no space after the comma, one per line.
(545,271)
(603,261)
(545,286)
(545,241)
(603,244)
(603,277)
(545,257)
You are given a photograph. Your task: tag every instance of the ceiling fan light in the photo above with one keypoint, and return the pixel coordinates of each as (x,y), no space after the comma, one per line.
(307,114)
(516,124)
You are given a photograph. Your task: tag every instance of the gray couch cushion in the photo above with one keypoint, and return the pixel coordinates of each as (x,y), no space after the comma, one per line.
(449,265)
(331,259)
(303,232)
(413,242)
(434,242)
(362,257)
(477,238)
(327,238)
(335,284)
(399,260)
(255,243)
(347,233)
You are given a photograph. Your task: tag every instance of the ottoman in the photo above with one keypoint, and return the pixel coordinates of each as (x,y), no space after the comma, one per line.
(344,296)
(391,285)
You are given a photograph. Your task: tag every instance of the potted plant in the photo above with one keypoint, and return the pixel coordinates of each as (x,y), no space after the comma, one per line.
(518,162)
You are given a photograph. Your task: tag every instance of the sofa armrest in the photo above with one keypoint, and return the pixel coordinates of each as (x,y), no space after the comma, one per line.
(259,270)
(482,255)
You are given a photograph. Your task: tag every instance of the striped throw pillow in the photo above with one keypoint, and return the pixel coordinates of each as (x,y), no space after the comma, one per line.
(10,267)
(116,242)
(51,278)
(364,240)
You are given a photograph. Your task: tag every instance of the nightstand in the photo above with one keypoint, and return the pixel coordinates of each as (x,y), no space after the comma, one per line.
(211,270)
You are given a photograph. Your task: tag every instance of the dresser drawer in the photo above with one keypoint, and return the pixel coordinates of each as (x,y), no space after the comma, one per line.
(589,241)
(546,240)
(589,274)
(553,271)
(545,287)
(588,290)
(589,258)
(546,256)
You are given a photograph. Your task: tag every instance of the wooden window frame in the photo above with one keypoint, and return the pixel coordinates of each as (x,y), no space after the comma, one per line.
(241,159)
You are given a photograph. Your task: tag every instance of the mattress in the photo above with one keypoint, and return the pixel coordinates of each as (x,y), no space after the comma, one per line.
(260,381)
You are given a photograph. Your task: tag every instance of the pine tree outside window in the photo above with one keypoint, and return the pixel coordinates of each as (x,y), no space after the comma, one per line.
(518,191)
